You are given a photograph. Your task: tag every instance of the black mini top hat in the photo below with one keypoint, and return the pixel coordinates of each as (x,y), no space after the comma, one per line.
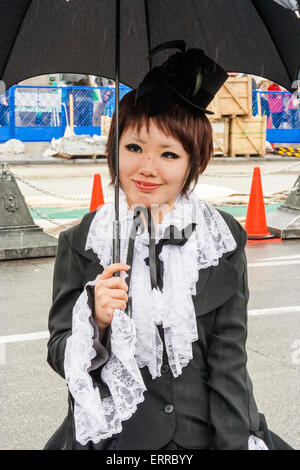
(188,75)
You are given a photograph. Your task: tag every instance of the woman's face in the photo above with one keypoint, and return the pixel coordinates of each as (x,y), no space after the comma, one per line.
(152,158)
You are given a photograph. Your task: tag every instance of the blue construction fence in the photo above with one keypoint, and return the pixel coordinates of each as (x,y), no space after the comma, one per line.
(283,114)
(39,113)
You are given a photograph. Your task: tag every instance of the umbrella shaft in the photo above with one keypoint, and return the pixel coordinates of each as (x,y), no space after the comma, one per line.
(116,243)
(116,227)
(117,68)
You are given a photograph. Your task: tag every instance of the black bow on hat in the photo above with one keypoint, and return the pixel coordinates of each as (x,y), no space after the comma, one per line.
(188,75)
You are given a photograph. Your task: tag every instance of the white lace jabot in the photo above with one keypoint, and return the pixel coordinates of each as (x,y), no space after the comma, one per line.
(136,342)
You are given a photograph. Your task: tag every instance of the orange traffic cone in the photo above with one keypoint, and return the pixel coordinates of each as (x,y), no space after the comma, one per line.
(256,223)
(97,198)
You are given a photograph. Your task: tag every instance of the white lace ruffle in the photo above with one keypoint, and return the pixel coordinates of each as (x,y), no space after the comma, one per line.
(97,419)
(136,342)
(255,443)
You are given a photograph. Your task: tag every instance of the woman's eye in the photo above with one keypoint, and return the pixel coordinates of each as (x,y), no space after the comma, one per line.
(170,155)
(133,147)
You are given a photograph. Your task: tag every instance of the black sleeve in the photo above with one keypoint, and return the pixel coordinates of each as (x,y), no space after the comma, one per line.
(233,411)
(67,287)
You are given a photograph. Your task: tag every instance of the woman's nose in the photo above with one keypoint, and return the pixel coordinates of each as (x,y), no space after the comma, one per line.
(148,167)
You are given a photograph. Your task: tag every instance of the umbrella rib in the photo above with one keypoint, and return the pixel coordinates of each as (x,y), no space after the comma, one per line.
(15,38)
(148,32)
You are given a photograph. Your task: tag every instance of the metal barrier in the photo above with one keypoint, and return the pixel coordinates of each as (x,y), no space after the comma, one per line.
(37,114)
(283,114)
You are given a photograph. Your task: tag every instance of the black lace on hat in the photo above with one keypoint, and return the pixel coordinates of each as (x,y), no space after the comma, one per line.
(188,75)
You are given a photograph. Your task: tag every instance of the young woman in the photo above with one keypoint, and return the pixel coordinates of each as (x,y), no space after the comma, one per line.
(156,358)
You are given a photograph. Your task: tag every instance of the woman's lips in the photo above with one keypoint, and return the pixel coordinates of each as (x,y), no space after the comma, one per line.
(146,187)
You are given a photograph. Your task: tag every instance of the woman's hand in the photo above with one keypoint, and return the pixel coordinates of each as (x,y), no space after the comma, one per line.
(110,293)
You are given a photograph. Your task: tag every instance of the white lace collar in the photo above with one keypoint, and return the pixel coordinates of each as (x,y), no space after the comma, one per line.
(136,342)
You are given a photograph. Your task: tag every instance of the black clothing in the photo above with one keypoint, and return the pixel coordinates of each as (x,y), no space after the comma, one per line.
(211,404)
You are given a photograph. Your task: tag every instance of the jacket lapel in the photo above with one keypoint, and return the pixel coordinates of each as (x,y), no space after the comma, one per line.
(216,284)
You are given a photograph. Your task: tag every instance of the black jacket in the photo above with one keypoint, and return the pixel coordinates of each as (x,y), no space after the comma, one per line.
(211,404)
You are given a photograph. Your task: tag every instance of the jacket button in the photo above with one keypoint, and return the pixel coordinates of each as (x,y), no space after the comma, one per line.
(169,408)
(165,368)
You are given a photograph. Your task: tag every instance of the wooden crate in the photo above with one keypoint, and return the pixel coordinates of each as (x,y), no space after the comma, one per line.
(214,107)
(220,136)
(234,98)
(247,136)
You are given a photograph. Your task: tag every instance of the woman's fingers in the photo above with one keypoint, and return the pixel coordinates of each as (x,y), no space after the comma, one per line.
(120,304)
(108,305)
(111,283)
(106,301)
(110,270)
(110,294)
(114,283)
(118,294)
(114,293)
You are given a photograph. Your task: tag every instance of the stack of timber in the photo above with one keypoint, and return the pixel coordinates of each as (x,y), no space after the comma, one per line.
(235,130)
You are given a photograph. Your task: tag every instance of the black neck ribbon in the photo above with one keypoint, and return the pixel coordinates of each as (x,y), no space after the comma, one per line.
(172,236)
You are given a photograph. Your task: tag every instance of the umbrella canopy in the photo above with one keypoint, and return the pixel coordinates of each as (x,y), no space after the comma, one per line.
(38,37)
(292,4)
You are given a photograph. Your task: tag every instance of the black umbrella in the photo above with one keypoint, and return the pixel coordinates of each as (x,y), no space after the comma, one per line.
(37,37)
(292,4)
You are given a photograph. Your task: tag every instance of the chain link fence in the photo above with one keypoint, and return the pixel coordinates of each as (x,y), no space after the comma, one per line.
(4,109)
(37,107)
(37,114)
(281,108)
(32,113)
(91,103)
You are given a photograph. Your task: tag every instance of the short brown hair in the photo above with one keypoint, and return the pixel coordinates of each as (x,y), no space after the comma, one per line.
(192,129)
